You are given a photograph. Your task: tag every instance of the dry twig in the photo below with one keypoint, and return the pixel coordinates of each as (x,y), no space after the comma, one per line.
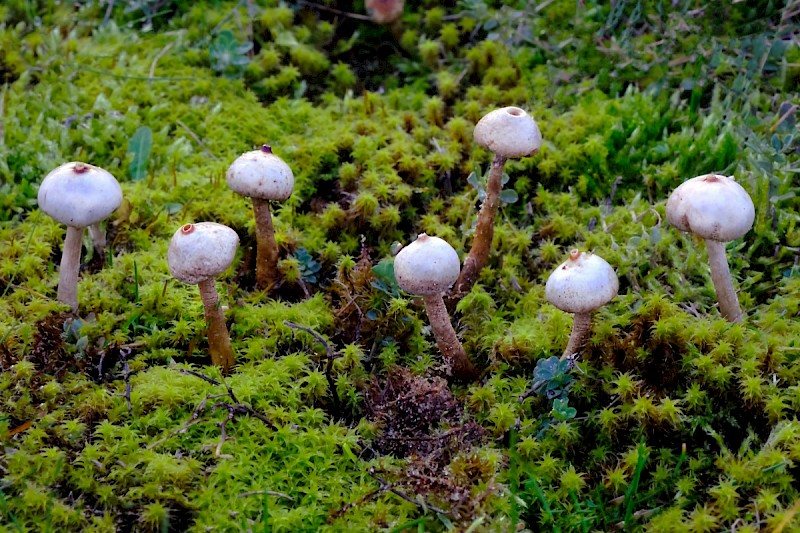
(329,366)
(234,408)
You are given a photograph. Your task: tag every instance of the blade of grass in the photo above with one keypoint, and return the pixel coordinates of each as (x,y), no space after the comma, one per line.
(788,517)
(9,515)
(630,494)
(24,253)
(513,479)
(136,281)
(548,512)
(265,512)
(408,525)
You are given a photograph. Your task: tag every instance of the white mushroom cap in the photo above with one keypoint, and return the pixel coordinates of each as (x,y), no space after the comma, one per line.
(712,207)
(261,174)
(582,283)
(427,266)
(201,251)
(79,195)
(509,132)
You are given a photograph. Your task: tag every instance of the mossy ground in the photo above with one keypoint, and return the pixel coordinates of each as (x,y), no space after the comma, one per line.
(111,419)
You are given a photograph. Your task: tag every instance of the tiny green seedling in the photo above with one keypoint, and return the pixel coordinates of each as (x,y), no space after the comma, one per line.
(478,180)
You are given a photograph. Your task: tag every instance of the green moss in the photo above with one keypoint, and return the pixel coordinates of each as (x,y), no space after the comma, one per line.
(692,418)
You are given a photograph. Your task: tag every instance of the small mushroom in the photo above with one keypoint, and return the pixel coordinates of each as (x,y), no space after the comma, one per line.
(580,285)
(509,132)
(719,210)
(262,176)
(197,254)
(78,195)
(384,11)
(428,267)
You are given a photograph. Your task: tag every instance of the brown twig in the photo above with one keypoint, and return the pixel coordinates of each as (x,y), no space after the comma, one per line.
(123,356)
(329,366)
(444,435)
(335,11)
(223,434)
(235,408)
(385,486)
(267,492)
(107,16)
(193,420)
(195,137)
(159,56)
(424,506)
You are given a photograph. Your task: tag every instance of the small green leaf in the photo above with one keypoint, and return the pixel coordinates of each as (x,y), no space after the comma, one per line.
(508,196)
(287,39)
(387,283)
(140,145)
(474,180)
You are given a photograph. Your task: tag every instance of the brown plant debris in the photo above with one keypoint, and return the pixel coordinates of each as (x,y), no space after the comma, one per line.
(49,353)
(420,418)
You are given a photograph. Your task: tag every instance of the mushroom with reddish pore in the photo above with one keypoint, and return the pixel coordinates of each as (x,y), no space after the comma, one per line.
(428,267)
(580,285)
(509,132)
(719,210)
(78,195)
(197,254)
(384,11)
(262,176)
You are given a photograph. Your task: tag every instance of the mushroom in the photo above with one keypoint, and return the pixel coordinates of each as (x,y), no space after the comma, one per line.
(428,267)
(719,210)
(509,132)
(78,195)
(197,254)
(384,11)
(262,176)
(580,285)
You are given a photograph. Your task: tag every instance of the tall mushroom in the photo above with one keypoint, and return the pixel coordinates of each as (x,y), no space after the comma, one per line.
(509,132)
(197,254)
(428,267)
(262,176)
(78,195)
(580,285)
(719,210)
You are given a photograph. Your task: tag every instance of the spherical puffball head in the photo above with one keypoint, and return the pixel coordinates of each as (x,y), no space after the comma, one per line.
(79,195)
(201,251)
(427,266)
(712,207)
(717,209)
(508,132)
(582,283)
(261,174)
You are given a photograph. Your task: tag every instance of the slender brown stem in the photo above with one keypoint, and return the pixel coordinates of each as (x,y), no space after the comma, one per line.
(98,238)
(453,353)
(70,267)
(219,343)
(581,326)
(723,284)
(484,231)
(267,252)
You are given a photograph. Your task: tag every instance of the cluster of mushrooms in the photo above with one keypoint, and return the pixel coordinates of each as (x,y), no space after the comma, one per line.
(713,207)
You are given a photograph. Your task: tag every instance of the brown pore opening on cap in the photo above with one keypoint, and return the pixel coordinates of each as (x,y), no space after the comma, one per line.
(711,178)
(515,111)
(187,229)
(574,254)
(80,168)
(267,149)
